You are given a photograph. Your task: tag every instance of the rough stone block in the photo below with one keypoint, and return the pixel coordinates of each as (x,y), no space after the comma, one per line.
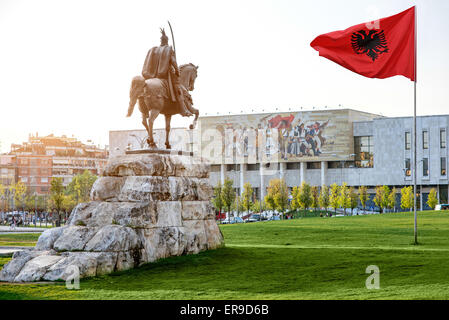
(74,238)
(48,238)
(113,238)
(168,214)
(213,233)
(36,268)
(197,210)
(106,188)
(196,238)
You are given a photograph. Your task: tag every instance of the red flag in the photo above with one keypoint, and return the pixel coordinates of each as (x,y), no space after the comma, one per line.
(378,49)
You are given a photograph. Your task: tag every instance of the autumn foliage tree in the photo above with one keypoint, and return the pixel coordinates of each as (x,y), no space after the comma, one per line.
(324,197)
(407,198)
(432,199)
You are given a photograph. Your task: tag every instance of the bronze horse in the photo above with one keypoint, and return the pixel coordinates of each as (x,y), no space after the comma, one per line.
(153,100)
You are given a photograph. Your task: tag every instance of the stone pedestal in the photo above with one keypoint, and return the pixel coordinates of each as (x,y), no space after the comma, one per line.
(144,207)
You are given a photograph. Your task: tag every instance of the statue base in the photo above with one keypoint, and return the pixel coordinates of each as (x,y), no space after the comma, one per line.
(145,206)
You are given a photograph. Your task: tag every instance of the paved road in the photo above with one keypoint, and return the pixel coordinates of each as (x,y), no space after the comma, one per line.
(7,251)
(7,229)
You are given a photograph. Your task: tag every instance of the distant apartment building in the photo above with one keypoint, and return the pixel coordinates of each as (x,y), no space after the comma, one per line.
(38,160)
(8,169)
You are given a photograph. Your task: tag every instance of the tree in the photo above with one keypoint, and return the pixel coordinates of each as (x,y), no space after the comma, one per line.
(256,206)
(333,198)
(432,198)
(407,198)
(324,197)
(295,198)
(272,189)
(277,195)
(247,197)
(381,197)
(237,205)
(68,203)
(228,194)
(20,194)
(11,191)
(363,196)
(217,201)
(385,197)
(305,196)
(314,196)
(30,202)
(3,191)
(81,186)
(392,199)
(56,197)
(353,199)
(344,201)
(281,197)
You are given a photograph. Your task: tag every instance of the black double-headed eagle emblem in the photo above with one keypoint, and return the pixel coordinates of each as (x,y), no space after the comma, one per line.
(372,43)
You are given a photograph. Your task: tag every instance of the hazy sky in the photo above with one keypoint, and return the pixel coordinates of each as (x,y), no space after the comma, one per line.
(66,66)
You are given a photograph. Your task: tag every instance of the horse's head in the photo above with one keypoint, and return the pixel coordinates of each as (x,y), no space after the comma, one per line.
(188,74)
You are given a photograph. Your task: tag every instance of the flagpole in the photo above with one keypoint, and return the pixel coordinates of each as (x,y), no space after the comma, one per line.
(414,138)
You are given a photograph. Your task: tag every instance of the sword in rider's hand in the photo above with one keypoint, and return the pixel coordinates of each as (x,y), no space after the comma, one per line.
(173,38)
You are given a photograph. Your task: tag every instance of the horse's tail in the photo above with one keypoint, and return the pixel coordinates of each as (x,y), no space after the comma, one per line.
(137,86)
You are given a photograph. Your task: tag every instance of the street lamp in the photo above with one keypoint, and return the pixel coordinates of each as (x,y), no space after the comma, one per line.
(35,208)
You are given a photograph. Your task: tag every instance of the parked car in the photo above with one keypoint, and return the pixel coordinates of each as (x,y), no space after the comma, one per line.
(238,220)
(272,218)
(442,207)
(254,218)
(220,216)
(232,220)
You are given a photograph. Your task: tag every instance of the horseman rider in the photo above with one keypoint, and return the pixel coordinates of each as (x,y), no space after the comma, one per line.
(161,63)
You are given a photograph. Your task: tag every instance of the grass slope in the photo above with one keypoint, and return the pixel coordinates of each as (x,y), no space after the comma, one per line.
(313,258)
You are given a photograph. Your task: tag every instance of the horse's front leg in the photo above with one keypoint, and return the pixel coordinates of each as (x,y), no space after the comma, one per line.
(151,117)
(167,131)
(196,113)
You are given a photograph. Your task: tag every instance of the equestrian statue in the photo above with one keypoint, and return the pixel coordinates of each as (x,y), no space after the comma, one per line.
(163,88)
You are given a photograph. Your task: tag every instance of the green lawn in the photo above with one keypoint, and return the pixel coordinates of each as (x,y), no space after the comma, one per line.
(22,239)
(309,258)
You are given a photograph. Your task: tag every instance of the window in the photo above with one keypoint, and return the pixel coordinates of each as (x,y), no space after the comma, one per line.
(24,179)
(443,165)
(364,151)
(252,166)
(334,164)
(44,180)
(425,167)
(425,139)
(408,170)
(313,165)
(340,164)
(408,141)
(231,167)
(442,138)
(292,165)
(215,168)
